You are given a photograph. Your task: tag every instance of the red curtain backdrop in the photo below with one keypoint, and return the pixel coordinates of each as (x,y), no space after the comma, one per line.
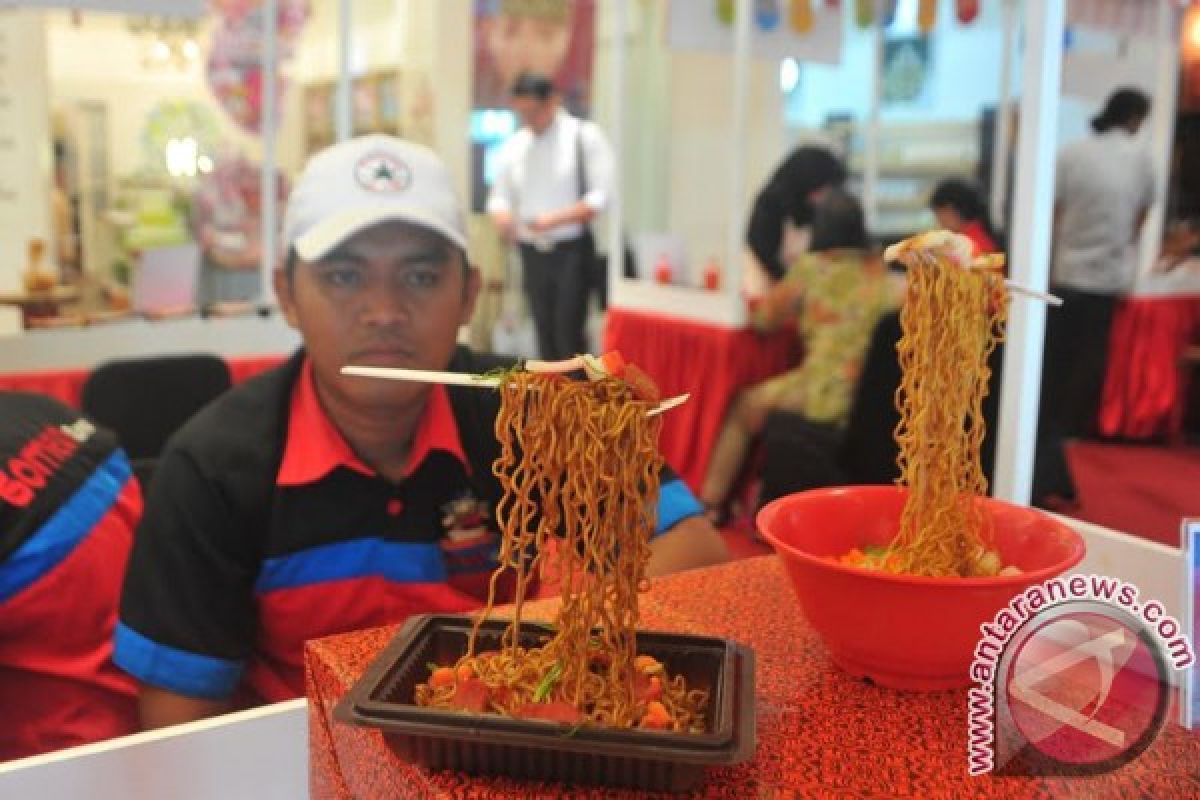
(1145,383)
(710,362)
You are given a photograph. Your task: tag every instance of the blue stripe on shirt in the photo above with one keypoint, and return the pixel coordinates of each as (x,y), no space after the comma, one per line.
(675,504)
(66,527)
(179,671)
(400,562)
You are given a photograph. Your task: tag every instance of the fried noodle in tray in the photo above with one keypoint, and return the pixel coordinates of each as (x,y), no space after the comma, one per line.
(579,465)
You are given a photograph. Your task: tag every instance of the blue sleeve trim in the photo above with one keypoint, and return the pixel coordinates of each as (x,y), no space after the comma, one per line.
(179,671)
(675,504)
(66,528)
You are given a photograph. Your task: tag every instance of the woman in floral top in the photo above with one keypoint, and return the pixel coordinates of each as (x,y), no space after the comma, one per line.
(834,294)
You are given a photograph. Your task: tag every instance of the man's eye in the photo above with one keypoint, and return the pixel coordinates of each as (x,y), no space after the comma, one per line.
(342,278)
(422,278)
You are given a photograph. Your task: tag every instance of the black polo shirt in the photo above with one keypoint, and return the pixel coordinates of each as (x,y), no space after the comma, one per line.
(68,505)
(263,529)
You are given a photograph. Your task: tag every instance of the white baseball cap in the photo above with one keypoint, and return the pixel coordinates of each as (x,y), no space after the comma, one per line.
(357,183)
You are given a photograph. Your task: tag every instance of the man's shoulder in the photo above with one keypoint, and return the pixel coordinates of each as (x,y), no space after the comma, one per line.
(21,405)
(591,132)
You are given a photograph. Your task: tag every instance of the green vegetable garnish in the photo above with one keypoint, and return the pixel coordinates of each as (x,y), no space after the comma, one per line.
(876,550)
(542,692)
(431,666)
(498,374)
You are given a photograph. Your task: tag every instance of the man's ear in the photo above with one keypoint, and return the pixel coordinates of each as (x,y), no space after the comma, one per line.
(282,282)
(470,294)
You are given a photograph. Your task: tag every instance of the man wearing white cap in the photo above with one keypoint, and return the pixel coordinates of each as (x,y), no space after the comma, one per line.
(304,502)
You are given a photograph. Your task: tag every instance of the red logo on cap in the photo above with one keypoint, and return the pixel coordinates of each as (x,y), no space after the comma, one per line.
(380,172)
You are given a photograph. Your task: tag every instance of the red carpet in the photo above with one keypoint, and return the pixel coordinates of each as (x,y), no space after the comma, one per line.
(1141,490)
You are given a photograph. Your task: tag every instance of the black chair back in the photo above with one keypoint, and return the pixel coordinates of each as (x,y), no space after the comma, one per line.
(868,450)
(146,400)
(799,454)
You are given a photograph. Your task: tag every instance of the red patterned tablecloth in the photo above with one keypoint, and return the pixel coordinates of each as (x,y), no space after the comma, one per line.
(710,362)
(1144,387)
(66,385)
(821,733)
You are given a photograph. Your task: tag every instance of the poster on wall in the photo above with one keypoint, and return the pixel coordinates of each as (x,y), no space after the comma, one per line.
(905,72)
(777,31)
(550,37)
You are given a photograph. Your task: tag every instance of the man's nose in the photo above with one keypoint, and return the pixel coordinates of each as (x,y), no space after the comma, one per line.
(384,305)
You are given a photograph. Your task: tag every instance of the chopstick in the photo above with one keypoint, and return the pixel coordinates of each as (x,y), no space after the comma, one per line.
(991,261)
(1045,297)
(424,376)
(473,381)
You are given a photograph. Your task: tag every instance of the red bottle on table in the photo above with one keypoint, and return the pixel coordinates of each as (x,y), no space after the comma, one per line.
(662,269)
(712,275)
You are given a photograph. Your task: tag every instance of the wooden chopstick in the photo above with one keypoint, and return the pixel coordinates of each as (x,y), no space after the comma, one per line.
(1045,297)
(424,376)
(473,381)
(995,261)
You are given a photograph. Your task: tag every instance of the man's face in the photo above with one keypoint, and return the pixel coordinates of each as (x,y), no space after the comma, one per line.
(948,219)
(393,295)
(534,113)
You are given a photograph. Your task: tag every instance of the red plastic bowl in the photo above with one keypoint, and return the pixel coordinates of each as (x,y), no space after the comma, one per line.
(903,631)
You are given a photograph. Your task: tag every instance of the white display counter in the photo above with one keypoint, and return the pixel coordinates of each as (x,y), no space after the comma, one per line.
(261,754)
(69,348)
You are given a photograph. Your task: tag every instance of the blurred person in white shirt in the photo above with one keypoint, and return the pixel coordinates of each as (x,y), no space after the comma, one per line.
(1104,189)
(553,176)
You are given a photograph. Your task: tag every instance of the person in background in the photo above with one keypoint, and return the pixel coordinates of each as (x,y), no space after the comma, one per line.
(68,507)
(1104,189)
(786,203)
(305,502)
(553,176)
(960,208)
(835,295)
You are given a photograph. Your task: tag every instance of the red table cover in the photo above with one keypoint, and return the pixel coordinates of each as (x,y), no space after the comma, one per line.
(821,733)
(1144,386)
(710,362)
(66,385)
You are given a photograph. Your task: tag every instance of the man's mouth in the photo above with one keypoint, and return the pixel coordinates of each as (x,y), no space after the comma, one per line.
(382,357)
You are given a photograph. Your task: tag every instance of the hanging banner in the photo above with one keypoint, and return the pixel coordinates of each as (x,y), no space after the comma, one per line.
(550,37)
(864,12)
(190,9)
(966,10)
(234,69)
(927,15)
(708,27)
(801,17)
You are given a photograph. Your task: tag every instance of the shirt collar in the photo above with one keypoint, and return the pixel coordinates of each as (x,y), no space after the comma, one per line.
(315,447)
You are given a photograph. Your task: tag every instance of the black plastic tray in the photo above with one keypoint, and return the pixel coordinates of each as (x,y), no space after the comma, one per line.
(490,744)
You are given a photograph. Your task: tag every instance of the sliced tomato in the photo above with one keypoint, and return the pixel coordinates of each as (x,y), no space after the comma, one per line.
(470,695)
(554,711)
(646,688)
(442,676)
(613,363)
(643,386)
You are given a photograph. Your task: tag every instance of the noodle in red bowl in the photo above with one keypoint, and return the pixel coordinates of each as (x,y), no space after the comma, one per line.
(903,631)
